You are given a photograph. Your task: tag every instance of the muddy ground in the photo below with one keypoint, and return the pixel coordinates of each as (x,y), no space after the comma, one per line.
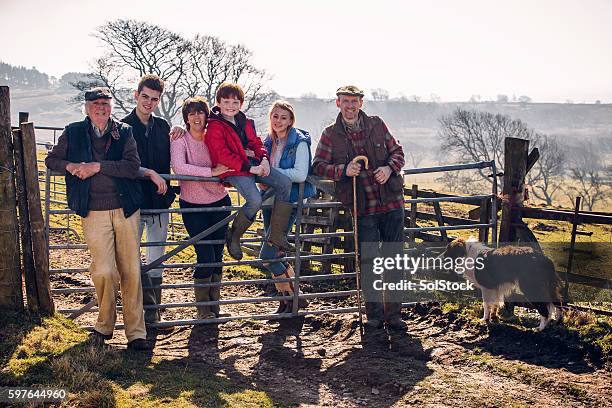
(444,360)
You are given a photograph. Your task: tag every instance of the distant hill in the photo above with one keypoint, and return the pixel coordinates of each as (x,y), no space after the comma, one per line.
(415,124)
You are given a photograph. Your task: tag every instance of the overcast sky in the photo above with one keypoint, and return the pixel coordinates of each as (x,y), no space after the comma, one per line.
(550,50)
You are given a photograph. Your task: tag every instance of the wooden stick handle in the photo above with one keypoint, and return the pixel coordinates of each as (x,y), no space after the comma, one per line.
(364,158)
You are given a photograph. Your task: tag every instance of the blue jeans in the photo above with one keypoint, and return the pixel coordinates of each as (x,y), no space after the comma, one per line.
(246,186)
(270,251)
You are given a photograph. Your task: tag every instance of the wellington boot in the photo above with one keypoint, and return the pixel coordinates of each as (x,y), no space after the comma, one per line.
(162,329)
(202,294)
(282,307)
(215,294)
(278,226)
(157,282)
(148,299)
(232,237)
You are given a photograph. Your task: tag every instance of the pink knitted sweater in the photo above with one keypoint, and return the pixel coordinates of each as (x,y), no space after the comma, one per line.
(191,157)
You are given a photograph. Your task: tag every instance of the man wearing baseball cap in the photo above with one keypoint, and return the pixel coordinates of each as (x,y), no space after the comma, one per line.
(380,192)
(99,158)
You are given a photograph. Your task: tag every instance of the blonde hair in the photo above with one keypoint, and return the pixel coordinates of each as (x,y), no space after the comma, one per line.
(284,105)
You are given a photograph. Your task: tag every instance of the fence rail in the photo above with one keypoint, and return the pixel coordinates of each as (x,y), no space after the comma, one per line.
(51,179)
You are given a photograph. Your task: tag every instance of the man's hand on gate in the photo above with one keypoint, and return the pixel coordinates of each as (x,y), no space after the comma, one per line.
(159,182)
(382,174)
(353,169)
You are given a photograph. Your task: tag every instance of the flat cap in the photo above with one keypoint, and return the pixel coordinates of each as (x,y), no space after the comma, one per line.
(350,90)
(98,93)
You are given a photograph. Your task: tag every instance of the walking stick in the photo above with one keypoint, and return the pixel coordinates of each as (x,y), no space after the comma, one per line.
(356,239)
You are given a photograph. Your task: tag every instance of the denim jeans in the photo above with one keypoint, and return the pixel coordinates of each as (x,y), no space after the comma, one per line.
(156,226)
(246,186)
(270,251)
(197,222)
(374,230)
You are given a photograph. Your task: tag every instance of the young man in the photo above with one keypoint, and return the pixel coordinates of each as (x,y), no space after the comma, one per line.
(151,135)
(100,160)
(233,142)
(380,195)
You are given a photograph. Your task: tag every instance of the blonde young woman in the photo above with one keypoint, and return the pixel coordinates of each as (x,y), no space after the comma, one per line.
(289,152)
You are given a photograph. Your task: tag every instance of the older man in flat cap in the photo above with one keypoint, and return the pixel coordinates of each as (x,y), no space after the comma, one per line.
(380,195)
(100,161)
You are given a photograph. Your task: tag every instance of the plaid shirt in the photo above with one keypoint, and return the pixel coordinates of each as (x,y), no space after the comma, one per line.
(324,167)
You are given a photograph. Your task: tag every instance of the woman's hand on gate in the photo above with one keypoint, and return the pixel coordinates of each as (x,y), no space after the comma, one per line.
(219,169)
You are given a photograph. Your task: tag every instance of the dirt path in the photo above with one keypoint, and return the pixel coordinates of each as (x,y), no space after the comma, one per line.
(443,361)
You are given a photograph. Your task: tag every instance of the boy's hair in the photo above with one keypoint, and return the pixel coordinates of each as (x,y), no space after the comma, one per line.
(284,105)
(228,90)
(151,81)
(194,104)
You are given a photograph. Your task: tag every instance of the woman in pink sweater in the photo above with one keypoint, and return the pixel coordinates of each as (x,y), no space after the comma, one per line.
(190,156)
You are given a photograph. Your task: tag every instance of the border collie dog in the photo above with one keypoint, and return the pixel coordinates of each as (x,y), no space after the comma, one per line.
(500,271)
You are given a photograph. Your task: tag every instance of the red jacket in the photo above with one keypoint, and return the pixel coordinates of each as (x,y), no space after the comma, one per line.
(226,147)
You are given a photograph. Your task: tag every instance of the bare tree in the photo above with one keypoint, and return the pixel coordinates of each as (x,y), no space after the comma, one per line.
(461,181)
(188,66)
(380,94)
(546,176)
(435,98)
(415,158)
(474,136)
(502,98)
(590,178)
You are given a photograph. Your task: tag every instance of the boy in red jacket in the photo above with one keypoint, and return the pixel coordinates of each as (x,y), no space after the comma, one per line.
(233,142)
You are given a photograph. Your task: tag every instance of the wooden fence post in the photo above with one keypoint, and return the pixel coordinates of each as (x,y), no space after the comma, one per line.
(413,212)
(11,295)
(24,224)
(37,223)
(570,257)
(515,169)
(484,218)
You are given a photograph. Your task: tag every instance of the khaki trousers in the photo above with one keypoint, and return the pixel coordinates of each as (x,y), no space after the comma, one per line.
(113,242)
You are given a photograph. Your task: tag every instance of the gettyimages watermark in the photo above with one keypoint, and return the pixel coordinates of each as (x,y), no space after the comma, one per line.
(434,272)
(410,265)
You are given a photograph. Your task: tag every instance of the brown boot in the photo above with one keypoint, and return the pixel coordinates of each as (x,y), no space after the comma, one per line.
(286,289)
(215,294)
(202,294)
(278,225)
(232,237)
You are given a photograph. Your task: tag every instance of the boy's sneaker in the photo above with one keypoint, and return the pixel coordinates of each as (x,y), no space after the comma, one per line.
(139,345)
